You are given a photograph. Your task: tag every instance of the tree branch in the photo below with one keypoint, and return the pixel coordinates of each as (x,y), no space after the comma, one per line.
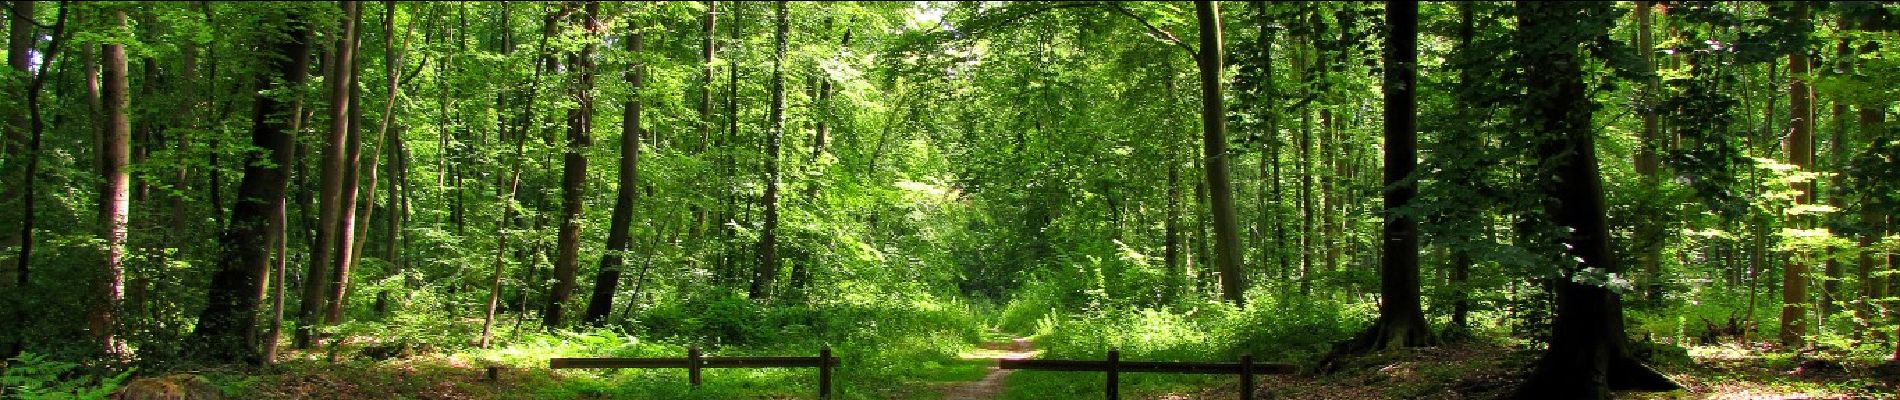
(1153,30)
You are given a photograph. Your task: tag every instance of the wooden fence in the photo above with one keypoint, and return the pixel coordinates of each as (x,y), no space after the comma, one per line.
(1114,366)
(694,362)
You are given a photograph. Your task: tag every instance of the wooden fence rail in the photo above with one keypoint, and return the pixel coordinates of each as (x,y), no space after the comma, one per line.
(694,362)
(1114,366)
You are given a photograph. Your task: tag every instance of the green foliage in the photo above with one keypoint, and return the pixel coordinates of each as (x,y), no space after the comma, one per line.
(1271,328)
(35,377)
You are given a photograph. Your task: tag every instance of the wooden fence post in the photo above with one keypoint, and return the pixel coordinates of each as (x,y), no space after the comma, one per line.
(824,372)
(1246,377)
(1114,372)
(693,363)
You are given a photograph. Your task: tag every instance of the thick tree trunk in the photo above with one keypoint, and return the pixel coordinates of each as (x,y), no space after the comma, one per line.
(1588,356)
(329,210)
(1800,145)
(345,259)
(1401,320)
(1214,142)
(574,174)
(115,151)
(280,217)
(256,219)
(607,281)
(767,272)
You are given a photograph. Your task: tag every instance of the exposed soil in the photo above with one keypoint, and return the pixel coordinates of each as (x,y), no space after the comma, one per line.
(992,384)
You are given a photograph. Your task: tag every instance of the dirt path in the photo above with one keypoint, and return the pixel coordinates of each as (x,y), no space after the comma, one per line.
(991,385)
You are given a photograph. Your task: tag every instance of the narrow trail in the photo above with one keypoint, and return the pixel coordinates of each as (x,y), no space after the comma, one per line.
(992,384)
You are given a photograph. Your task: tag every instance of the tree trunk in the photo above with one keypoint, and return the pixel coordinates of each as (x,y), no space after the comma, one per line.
(768,236)
(115,150)
(1305,163)
(1650,235)
(256,219)
(1172,255)
(1873,227)
(329,209)
(1838,156)
(509,187)
(345,259)
(20,39)
(1794,275)
(607,282)
(21,35)
(1214,142)
(280,217)
(1401,320)
(707,48)
(1588,356)
(574,173)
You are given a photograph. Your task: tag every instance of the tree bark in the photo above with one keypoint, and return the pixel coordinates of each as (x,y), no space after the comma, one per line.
(345,259)
(21,35)
(574,174)
(1650,235)
(329,211)
(256,220)
(707,48)
(1401,320)
(115,151)
(767,273)
(36,123)
(607,281)
(1588,356)
(1873,227)
(508,188)
(1800,145)
(20,39)
(1214,142)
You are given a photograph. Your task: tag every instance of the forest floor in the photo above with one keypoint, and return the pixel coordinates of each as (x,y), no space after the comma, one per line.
(1490,371)
(992,383)
(1477,370)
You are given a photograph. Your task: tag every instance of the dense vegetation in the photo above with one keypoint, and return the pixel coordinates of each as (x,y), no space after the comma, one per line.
(378,199)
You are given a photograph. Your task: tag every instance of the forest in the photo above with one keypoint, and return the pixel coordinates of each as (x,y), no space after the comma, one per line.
(1370,200)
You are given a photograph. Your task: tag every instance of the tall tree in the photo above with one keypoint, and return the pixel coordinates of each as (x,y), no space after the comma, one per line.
(1588,355)
(245,245)
(1214,153)
(574,170)
(21,35)
(36,128)
(707,50)
(20,39)
(329,210)
(767,272)
(607,281)
(1649,236)
(1401,320)
(1800,146)
(344,260)
(115,201)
